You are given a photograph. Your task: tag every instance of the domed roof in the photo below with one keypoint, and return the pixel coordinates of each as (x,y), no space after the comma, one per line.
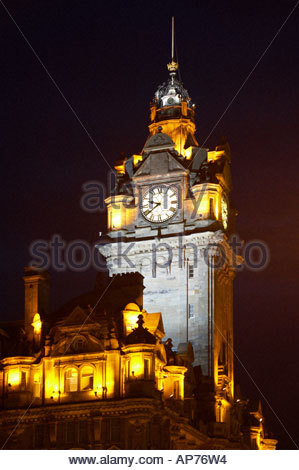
(140,335)
(171,93)
(132,307)
(172,100)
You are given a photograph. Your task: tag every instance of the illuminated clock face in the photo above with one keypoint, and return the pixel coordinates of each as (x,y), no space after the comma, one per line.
(160,204)
(224,212)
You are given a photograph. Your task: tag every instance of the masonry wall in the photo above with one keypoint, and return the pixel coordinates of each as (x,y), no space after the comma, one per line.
(169,289)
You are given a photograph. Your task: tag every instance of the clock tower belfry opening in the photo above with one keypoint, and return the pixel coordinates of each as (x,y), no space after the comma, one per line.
(170,218)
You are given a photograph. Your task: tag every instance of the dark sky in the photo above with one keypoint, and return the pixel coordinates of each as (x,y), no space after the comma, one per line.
(108,59)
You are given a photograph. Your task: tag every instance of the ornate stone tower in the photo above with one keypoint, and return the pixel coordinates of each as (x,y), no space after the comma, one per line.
(36,285)
(169,218)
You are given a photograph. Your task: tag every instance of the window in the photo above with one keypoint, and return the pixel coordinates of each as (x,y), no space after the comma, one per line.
(110,430)
(83,432)
(105,430)
(128,369)
(191,311)
(176,389)
(71,432)
(115,427)
(13,379)
(36,385)
(211,207)
(23,380)
(146,369)
(71,380)
(87,378)
(191,271)
(79,344)
(60,433)
(38,436)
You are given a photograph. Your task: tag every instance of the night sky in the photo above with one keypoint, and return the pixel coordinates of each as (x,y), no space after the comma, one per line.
(108,59)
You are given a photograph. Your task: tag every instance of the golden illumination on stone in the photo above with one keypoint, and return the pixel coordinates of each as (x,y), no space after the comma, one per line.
(178,130)
(118,211)
(130,314)
(208,200)
(184,108)
(37,324)
(173,382)
(116,220)
(120,167)
(136,365)
(153,110)
(137,159)
(14,377)
(224,212)
(214,155)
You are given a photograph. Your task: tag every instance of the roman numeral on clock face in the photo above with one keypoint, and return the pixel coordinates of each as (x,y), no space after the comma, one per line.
(159,204)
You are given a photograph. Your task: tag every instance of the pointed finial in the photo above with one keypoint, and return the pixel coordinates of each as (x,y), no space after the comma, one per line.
(140,321)
(173,65)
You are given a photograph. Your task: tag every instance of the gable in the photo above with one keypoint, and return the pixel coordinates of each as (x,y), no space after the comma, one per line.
(77,344)
(77,317)
(154,323)
(159,163)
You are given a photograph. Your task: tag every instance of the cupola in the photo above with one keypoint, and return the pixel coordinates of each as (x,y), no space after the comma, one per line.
(172,108)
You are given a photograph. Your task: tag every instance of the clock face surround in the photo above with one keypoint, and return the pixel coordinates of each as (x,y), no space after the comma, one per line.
(160,203)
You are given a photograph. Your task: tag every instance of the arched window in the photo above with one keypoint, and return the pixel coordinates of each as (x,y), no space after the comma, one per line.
(71,380)
(86,378)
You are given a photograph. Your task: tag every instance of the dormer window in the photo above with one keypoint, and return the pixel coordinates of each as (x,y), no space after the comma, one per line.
(79,344)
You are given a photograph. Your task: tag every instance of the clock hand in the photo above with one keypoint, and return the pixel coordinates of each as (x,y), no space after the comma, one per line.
(157,204)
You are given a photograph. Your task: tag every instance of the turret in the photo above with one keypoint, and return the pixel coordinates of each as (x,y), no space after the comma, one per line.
(139,361)
(36,284)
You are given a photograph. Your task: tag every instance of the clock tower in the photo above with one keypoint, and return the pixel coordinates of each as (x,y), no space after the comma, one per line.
(169,218)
